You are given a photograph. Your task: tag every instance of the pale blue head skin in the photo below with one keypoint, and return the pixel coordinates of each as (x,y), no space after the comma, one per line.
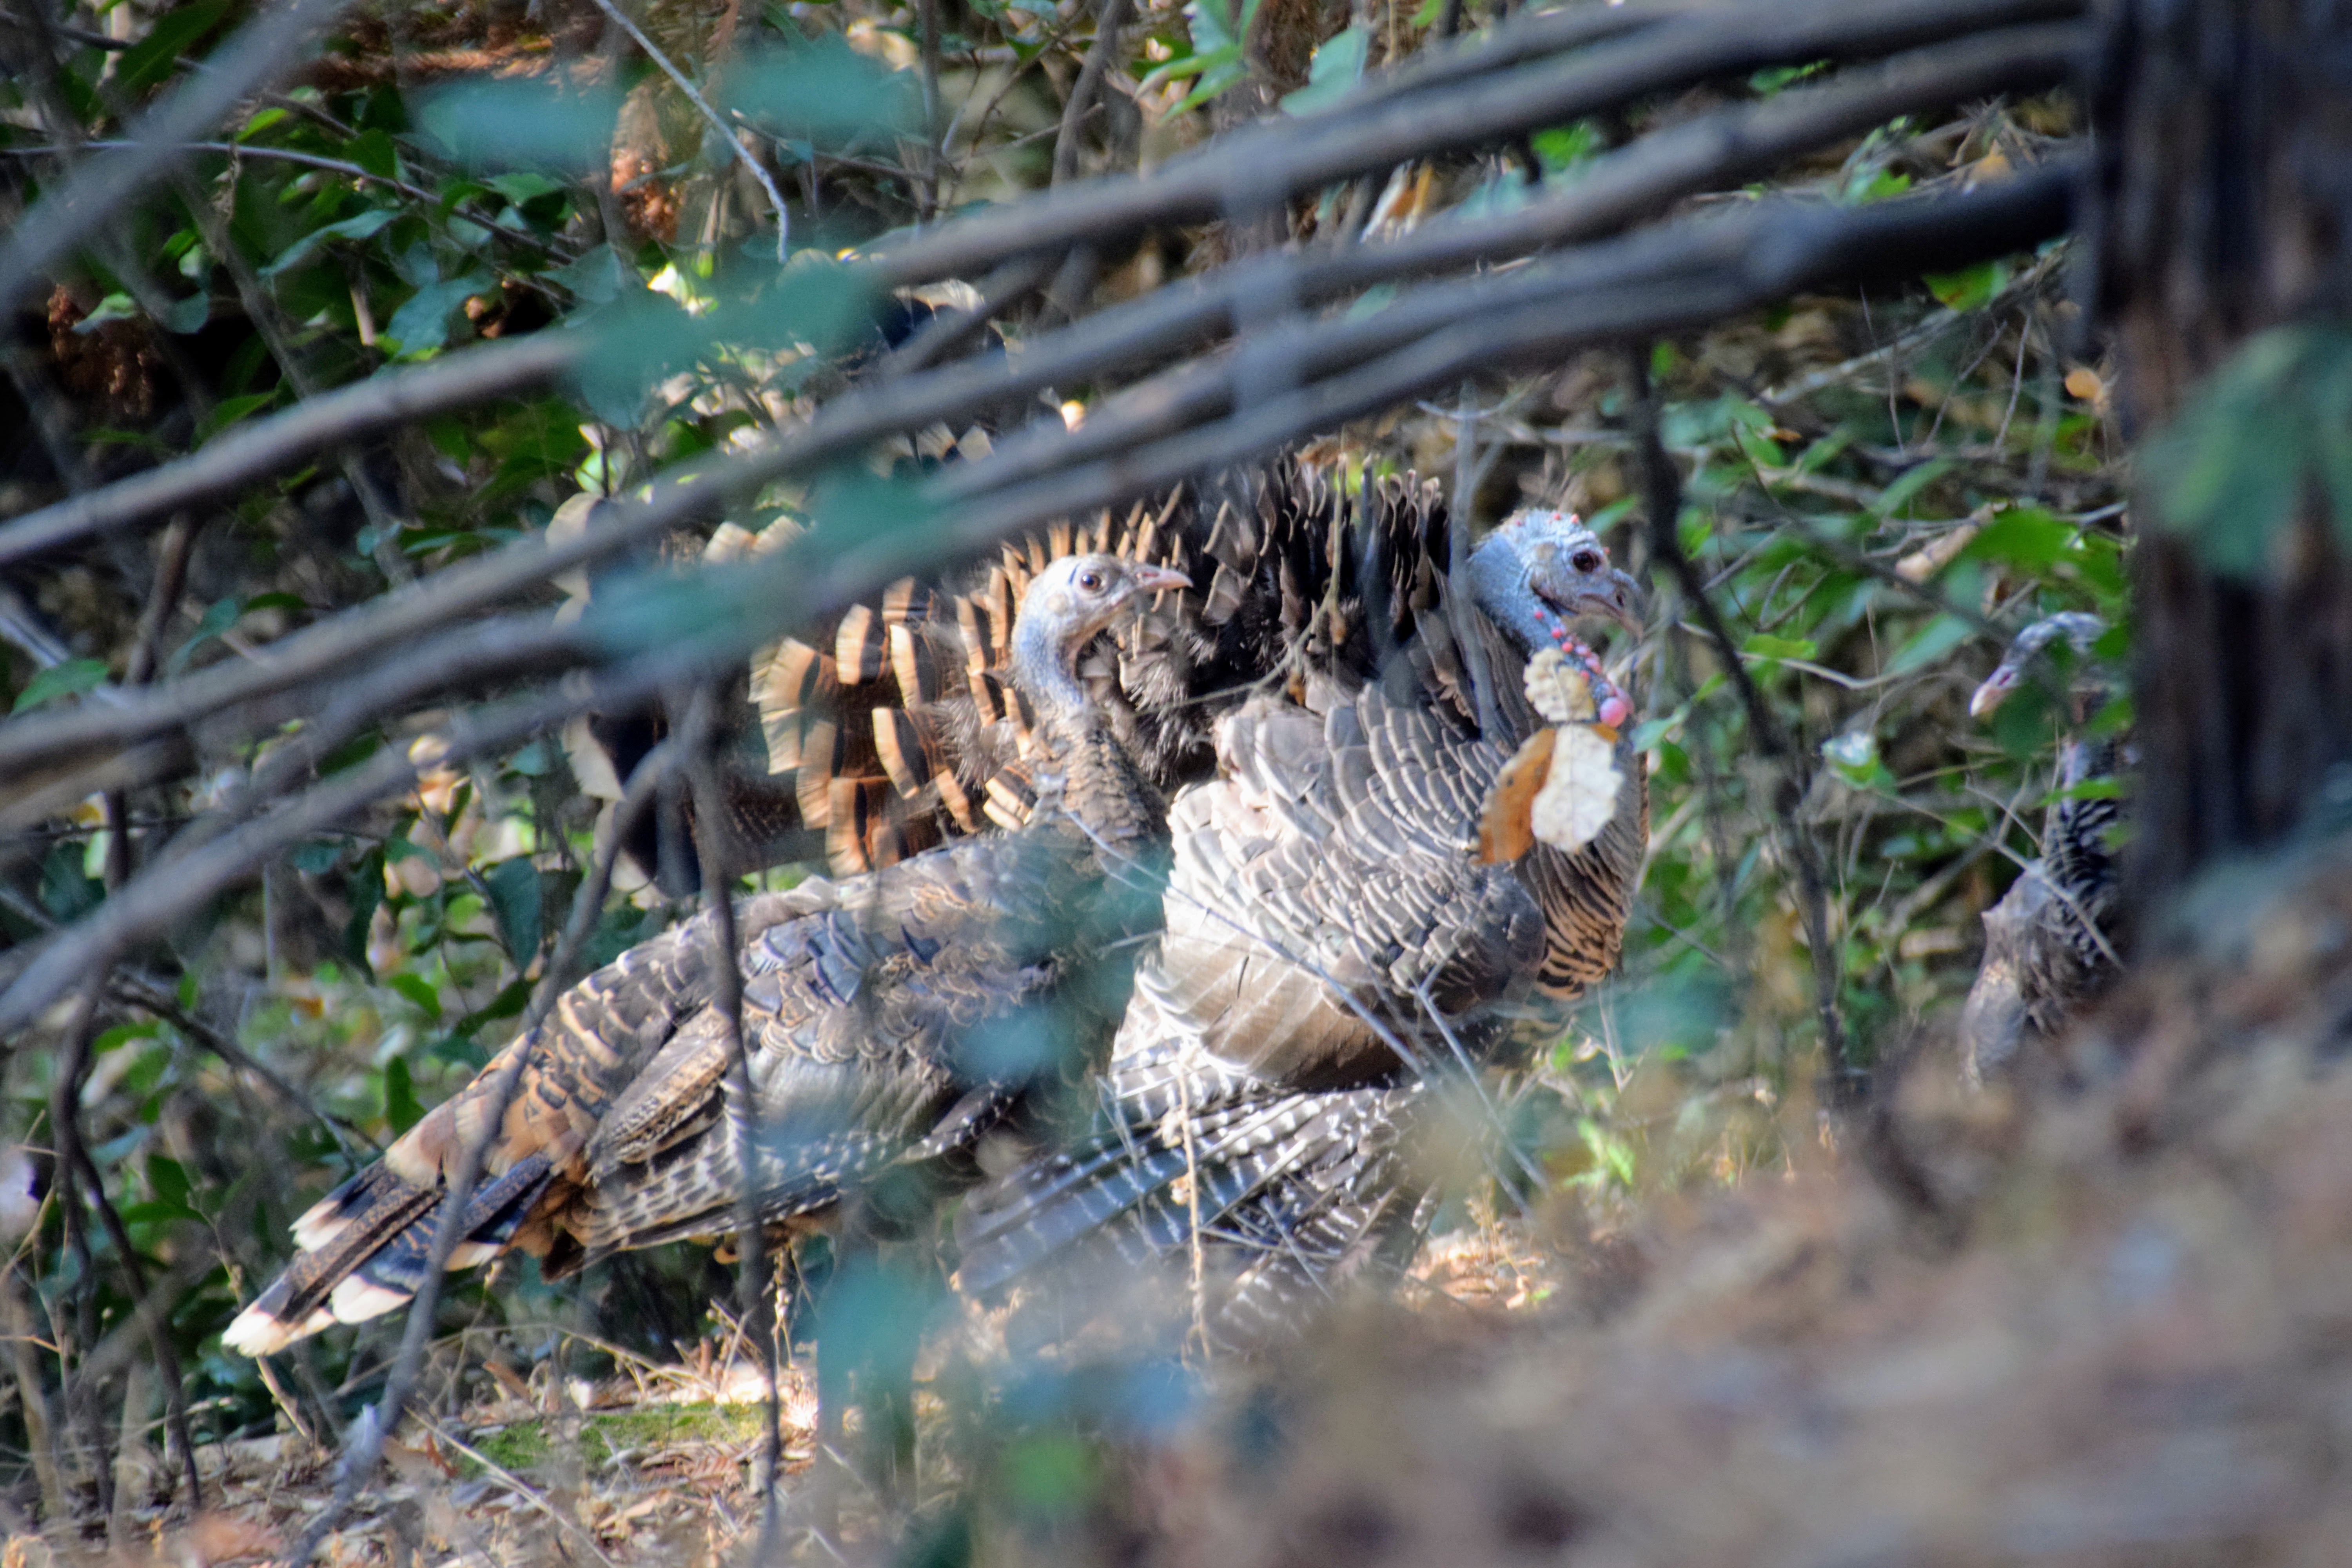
(1065,605)
(2077,628)
(1542,571)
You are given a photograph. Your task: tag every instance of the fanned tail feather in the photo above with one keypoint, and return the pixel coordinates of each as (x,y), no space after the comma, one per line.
(377,1233)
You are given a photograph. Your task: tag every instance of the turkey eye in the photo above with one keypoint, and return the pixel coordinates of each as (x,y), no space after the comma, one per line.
(1585,560)
(1090,581)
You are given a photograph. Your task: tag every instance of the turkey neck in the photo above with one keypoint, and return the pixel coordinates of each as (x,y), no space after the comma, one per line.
(1099,785)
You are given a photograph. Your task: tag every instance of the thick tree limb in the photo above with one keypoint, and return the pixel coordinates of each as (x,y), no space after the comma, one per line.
(1283,158)
(251,452)
(173,890)
(1532,316)
(1659,280)
(1725,147)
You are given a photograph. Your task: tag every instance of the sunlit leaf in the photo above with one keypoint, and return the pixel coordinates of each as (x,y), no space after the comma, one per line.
(2024,536)
(1970,287)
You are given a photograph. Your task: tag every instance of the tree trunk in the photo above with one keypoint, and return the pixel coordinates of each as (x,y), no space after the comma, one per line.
(2225,209)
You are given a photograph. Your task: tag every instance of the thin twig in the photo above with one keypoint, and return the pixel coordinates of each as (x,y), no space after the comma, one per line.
(754,1305)
(366,1441)
(69,213)
(1726,146)
(1108,22)
(1662,489)
(717,121)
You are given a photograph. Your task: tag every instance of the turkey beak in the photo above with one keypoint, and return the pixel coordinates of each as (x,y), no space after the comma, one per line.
(1991,694)
(1156,579)
(1616,597)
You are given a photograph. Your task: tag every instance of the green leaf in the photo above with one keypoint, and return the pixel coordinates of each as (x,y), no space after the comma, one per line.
(1854,757)
(71,678)
(169,1180)
(229,410)
(420,991)
(1970,287)
(1930,643)
(2267,428)
(222,616)
(421,325)
(1338,66)
(401,1109)
(365,890)
(318,856)
(1218,59)
(598,277)
(1766,645)
(1563,147)
(1875,185)
(400,847)
(115,307)
(822,92)
(515,123)
(514,903)
(508,1003)
(2028,536)
(524,187)
(153,58)
(263,121)
(188,315)
(373,149)
(1770,80)
(303,249)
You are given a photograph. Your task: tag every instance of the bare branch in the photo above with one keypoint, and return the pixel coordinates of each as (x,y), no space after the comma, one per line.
(1109,23)
(718,123)
(1724,147)
(316,425)
(1285,157)
(1662,489)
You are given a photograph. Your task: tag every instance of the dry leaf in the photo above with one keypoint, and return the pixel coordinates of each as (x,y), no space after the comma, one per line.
(1505,830)
(2082,384)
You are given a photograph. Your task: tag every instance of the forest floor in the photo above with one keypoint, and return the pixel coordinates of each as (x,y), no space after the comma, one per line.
(2103,1316)
(655,1466)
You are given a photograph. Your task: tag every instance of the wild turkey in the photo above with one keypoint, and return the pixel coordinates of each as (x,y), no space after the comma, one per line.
(894,728)
(891,1021)
(1331,936)
(2051,943)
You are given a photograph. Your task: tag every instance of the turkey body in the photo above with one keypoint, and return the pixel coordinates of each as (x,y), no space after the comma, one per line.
(888,1021)
(2052,942)
(1336,965)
